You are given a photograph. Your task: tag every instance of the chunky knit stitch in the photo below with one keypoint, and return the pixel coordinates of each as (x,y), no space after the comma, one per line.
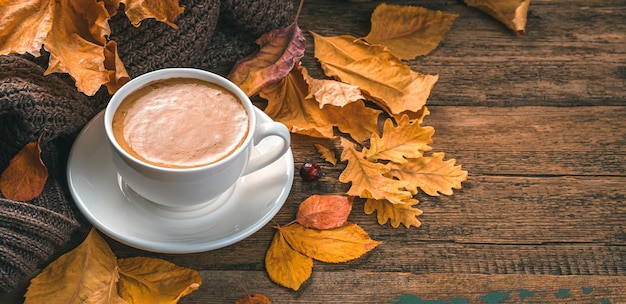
(211,34)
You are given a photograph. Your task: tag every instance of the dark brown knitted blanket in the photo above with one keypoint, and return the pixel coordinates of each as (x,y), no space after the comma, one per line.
(211,34)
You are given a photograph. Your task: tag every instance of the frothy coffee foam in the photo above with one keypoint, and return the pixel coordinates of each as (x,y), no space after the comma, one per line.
(180,123)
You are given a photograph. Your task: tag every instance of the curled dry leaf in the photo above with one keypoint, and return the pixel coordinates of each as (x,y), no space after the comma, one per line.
(512,13)
(288,104)
(254,299)
(89,268)
(280,50)
(333,92)
(396,214)
(369,179)
(324,211)
(286,266)
(326,154)
(342,244)
(26,175)
(150,280)
(430,173)
(407,140)
(408,31)
(75,33)
(382,77)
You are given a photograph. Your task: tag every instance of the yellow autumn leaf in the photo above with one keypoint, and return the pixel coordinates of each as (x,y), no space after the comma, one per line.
(430,173)
(286,266)
(396,214)
(408,31)
(406,140)
(369,179)
(155,281)
(326,154)
(75,33)
(26,175)
(342,244)
(512,13)
(288,104)
(382,77)
(108,294)
(76,275)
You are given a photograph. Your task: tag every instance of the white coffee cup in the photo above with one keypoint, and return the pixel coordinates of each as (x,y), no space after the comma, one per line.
(187,187)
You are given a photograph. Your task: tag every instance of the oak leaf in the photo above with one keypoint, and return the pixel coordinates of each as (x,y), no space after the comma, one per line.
(286,266)
(369,179)
(256,298)
(407,140)
(326,154)
(396,214)
(72,278)
(26,175)
(279,52)
(342,244)
(324,211)
(408,31)
(75,33)
(382,77)
(288,104)
(430,173)
(151,280)
(512,13)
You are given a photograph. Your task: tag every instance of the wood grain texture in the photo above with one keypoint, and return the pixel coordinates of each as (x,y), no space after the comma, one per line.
(539,121)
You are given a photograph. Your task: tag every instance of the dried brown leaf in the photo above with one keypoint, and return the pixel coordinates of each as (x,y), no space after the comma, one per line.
(256,298)
(512,13)
(26,175)
(327,154)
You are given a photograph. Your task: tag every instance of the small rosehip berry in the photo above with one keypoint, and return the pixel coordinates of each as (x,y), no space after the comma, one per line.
(310,172)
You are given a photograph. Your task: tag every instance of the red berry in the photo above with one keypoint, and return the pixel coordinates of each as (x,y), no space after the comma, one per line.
(310,172)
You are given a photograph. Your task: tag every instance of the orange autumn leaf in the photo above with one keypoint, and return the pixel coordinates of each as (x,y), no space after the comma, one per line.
(408,31)
(280,51)
(75,276)
(342,244)
(382,77)
(407,140)
(324,211)
(288,103)
(286,266)
(326,154)
(151,280)
(108,294)
(256,298)
(26,175)
(430,173)
(369,179)
(512,13)
(75,33)
(396,214)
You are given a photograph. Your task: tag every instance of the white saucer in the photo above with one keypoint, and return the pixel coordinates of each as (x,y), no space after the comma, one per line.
(128,218)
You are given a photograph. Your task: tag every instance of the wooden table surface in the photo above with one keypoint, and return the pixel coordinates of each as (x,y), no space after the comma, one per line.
(538,121)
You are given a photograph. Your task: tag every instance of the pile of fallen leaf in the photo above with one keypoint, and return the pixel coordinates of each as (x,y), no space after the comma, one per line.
(367,81)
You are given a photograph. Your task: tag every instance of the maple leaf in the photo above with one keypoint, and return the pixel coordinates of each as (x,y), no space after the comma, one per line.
(151,280)
(280,50)
(75,34)
(408,31)
(326,154)
(382,77)
(430,173)
(396,214)
(342,244)
(286,266)
(288,104)
(369,179)
(26,175)
(407,140)
(512,13)
(254,299)
(324,211)
(76,275)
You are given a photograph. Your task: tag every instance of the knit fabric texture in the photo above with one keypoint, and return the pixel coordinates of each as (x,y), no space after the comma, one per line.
(211,34)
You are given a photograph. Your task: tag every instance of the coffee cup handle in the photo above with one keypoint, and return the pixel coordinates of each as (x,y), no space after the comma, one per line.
(262,131)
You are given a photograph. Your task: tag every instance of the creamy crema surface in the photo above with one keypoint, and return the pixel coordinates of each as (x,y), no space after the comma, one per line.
(180,123)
